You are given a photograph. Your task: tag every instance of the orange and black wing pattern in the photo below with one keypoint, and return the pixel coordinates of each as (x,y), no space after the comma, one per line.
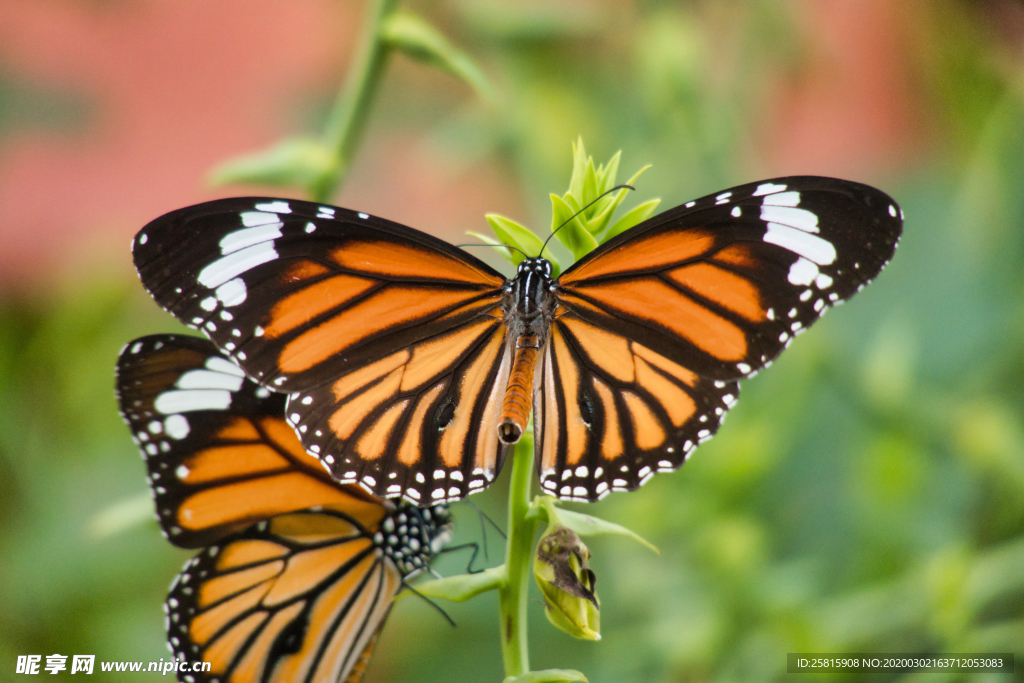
(299,597)
(653,329)
(218,451)
(298,572)
(388,341)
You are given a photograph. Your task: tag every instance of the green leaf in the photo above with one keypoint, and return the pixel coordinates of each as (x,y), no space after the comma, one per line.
(548,676)
(586,525)
(579,167)
(413,36)
(573,235)
(608,173)
(508,254)
(632,217)
(298,162)
(589,184)
(463,586)
(632,180)
(515,234)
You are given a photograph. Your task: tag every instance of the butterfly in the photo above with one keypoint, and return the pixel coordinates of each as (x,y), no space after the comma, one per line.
(412,366)
(297,572)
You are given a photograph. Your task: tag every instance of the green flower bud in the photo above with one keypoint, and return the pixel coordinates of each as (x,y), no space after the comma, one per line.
(567,583)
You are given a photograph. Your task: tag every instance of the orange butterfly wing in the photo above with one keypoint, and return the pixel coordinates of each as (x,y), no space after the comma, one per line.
(388,341)
(654,327)
(295,585)
(218,452)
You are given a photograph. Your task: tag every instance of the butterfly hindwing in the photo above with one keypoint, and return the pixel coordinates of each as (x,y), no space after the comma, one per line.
(300,597)
(418,423)
(218,452)
(611,412)
(722,284)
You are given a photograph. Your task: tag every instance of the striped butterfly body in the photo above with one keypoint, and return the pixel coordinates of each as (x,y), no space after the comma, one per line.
(298,572)
(410,366)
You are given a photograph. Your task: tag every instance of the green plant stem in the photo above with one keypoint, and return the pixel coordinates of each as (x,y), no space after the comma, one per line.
(348,116)
(512,595)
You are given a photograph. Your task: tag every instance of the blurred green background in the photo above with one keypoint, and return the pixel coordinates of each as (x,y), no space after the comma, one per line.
(867,494)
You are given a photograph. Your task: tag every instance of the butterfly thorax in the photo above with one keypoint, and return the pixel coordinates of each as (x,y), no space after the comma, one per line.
(528,301)
(411,536)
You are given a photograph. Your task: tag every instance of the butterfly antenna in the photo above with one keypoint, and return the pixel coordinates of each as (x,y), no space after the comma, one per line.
(571,218)
(485,244)
(431,603)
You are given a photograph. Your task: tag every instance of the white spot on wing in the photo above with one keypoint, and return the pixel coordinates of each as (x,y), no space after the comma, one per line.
(176,427)
(802,272)
(768,188)
(823,281)
(232,292)
(206,379)
(218,364)
(277,206)
(803,244)
(364,217)
(240,239)
(736,212)
(782,199)
(801,219)
(188,400)
(251,219)
(236,263)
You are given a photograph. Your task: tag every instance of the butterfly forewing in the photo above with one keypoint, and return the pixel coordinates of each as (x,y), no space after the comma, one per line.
(722,284)
(654,328)
(311,300)
(612,412)
(218,452)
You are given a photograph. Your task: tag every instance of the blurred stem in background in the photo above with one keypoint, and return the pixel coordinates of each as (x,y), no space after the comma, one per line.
(347,119)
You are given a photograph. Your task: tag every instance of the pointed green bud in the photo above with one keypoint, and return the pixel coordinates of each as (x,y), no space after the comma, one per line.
(562,571)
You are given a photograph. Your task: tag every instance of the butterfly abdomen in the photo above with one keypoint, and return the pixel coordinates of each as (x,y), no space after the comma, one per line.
(515,409)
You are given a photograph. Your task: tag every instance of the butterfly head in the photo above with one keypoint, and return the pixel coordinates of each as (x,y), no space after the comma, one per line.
(540,266)
(411,536)
(529,290)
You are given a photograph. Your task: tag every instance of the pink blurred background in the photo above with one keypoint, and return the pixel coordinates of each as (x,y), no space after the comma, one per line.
(173,88)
